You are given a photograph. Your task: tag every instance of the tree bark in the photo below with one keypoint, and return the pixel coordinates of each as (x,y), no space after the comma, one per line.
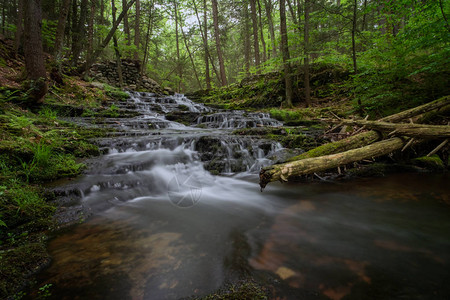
(404,129)
(147,40)
(137,30)
(255,32)
(369,137)
(85,67)
(116,47)
(80,33)
(223,75)
(92,11)
(355,66)
(247,47)
(322,163)
(19,26)
(268,6)
(285,53)
(205,45)
(261,30)
(306,61)
(179,70)
(61,28)
(34,53)
(126,25)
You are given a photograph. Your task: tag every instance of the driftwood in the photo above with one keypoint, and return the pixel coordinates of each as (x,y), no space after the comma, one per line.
(403,129)
(366,138)
(322,163)
(360,146)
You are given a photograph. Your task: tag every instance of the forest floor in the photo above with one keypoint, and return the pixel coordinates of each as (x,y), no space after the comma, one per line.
(37,146)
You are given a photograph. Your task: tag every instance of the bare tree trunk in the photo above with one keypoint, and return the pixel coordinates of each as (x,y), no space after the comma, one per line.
(4,16)
(268,6)
(223,76)
(306,61)
(205,45)
(60,29)
(355,67)
(247,48)
(126,25)
(263,42)
(179,70)
(285,53)
(90,48)
(255,32)
(74,23)
(80,33)
(116,47)
(147,37)
(19,26)
(137,31)
(34,53)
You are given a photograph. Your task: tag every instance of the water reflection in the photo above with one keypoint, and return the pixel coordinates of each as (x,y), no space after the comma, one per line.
(384,238)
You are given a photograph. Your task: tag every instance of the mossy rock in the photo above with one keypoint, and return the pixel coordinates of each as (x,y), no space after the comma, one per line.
(432,163)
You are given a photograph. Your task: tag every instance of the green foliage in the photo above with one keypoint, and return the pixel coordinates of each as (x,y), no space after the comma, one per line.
(48,113)
(48,32)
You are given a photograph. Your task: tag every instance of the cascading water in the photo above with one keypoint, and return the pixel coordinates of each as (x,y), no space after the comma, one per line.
(176,212)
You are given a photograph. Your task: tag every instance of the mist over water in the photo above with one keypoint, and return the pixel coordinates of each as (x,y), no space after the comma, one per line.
(177,212)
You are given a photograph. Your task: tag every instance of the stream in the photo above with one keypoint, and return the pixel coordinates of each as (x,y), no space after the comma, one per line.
(175,211)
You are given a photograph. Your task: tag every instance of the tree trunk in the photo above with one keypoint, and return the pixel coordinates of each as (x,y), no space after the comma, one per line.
(205,36)
(404,129)
(263,42)
(355,67)
(223,76)
(285,53)
(126,25)
(116,47)
(34,53)
(364,20)
(190,57)
(86,66)
(268,6)
(80,33)
(19,26)
(147,39)
(322,163)
(306,61)
(205,45)
(90,48)
(247,47)
(61,28)
(74,23)
(179,71)
(255,32)
(369,137)
(137,31)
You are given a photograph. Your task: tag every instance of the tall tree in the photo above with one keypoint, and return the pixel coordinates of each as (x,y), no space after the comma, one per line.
(116,47)
(246,29)
(255,32)
(223,75)
(80,33)
(92,11)
(268,7)
(34,53)
(137,31)
(261,30)
(126,25)
(306,53)
(354,19)
(86,66)
(285,53)
(179,69)
(205,44)
(19,27)
(61,27)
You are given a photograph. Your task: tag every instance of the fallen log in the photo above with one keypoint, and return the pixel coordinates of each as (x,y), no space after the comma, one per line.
(404,129)
(317,164)
(366,138)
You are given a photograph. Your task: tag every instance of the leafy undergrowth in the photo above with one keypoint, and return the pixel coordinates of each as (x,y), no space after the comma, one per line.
(36,147)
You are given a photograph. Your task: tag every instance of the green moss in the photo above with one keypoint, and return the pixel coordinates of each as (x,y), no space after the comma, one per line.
(433,163)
